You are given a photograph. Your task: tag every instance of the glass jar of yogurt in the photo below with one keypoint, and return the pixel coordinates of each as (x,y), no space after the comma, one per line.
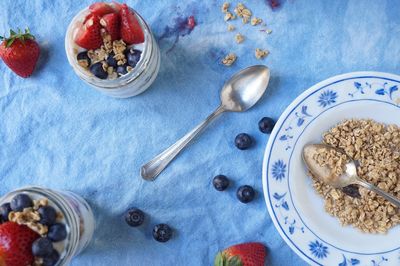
(73,212)
(138,78)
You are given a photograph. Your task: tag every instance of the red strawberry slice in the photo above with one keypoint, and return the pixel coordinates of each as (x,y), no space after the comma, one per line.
(89,35)
(246,254)
(100,9)
(111,23)
(16,244)
(131,32)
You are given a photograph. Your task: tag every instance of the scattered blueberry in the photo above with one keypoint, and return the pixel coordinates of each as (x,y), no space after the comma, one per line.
(352,191)
(245,194)
(98,71)
(83,58)
(266,125)
(20,202)
(57,232)
(220,182)
(162,232)
(48,215)
(111,61)
(243,141)
(5,209)
(134,217)
(52,259)
(133,57)
(42,247)
(121,70)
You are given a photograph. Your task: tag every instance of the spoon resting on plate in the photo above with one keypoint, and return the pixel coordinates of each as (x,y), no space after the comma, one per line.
(347,177)
(238,94)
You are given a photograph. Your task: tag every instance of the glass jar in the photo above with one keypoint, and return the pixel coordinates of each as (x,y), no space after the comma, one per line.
(131,84)
(77,216)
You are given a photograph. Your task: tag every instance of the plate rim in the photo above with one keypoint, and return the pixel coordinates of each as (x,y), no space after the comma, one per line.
(329,81)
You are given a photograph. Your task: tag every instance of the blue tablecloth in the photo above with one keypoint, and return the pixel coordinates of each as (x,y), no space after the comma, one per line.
(57,132)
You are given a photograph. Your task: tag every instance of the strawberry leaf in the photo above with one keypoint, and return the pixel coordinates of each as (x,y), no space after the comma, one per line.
(234,261)
(219,259)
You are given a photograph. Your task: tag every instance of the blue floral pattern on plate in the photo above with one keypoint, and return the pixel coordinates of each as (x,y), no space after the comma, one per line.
(324,97)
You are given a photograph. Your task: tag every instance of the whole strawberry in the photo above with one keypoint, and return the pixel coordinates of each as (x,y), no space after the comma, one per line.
(246,254)
(20,52)
(16,244)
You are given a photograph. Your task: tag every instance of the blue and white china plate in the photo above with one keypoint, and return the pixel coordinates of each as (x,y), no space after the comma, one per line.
(295,208)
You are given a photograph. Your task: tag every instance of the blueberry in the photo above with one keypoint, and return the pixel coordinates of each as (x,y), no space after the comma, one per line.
(20,202)
(162,232)
(5,209)
(352,191)
(134,217)
(133,57)
(111,61)
(42,247)
(266,125)
(83,59)
(98,71)
(220,182)
(245,194)
(48,215)
(121,70)
(52,259)
(243,141)
(57,232)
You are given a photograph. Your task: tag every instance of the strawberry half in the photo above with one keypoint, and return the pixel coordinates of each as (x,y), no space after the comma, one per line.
(100,9)
(111,23)
(131,32)
(246,254)
(16,244)
(89,35)
(20,52)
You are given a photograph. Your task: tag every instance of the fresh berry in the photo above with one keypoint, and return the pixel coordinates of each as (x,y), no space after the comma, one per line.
(134,217)
(133,57)
(42,247)
(100,9)
(117,6)
(16,244)
(352,191)
(5,209)
(121,70)
(162,232)
(220,182)
(98,71)
(83,59)
(266,125)
(245,194)
(111,23)
(52,259)
(131,31)
(111,61)
(246,254)
(57,232)
(20,202)
(243,141)
(20,52)
(89,35)
(48,215)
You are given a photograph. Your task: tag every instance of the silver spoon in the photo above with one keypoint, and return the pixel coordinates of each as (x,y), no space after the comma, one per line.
(240,93)
(325,174)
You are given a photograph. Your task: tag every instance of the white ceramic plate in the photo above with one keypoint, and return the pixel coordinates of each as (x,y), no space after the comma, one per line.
(295,208)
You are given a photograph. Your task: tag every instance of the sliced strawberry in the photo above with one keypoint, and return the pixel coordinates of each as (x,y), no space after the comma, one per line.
(131,32)
(111,23)
(89,35)
(100,9)
(16,244)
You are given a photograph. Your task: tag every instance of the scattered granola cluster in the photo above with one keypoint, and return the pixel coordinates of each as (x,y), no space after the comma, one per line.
(241,11)
(376,147)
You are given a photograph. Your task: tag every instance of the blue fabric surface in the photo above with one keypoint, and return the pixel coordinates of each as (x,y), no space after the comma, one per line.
(57,132)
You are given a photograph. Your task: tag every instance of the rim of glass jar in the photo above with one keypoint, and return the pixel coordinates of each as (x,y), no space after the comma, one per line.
(71,219)
(147,54)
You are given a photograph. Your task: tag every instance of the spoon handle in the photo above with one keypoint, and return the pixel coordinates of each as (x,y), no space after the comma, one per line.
(387,196)
(153,168)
